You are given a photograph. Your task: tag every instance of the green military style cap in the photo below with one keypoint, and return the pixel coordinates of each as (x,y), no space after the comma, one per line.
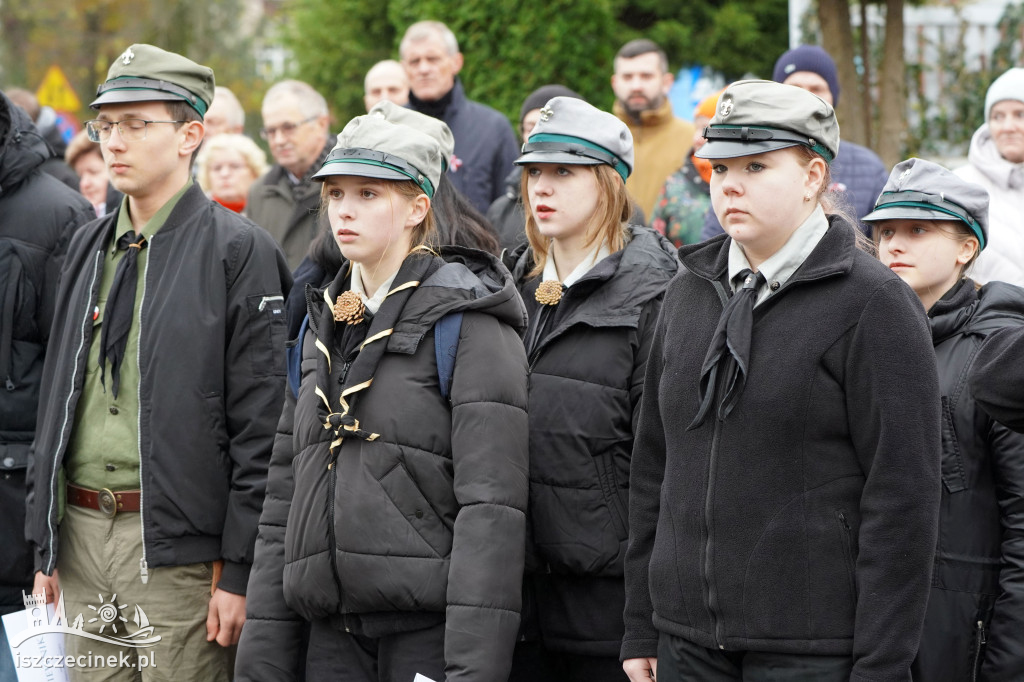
(756,116)
(372,146)
(144,73)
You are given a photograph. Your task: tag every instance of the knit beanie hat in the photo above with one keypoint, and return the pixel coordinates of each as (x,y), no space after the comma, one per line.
(1008,86)
(539,97)
(808,58)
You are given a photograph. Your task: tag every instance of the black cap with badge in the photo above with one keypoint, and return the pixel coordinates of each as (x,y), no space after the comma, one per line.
(145,73)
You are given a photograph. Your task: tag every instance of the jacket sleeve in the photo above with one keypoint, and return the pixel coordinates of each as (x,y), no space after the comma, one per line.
(893,407)
(257,276)
(1004,658)
(271,641)
(490,459)
(997,382)
(646,471)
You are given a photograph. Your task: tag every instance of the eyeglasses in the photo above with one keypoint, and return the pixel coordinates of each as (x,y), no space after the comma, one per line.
(287,128)
(130,129)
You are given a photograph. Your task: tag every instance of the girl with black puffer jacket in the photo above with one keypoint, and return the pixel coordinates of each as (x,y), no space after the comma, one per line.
(593,286)
(930,226)
(394,523)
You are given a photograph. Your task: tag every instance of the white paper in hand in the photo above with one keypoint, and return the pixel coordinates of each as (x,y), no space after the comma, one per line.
(35,656)
(421,678)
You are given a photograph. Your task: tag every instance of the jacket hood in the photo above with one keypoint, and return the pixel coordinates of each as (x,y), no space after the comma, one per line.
(642,269)
(984,156)
(970,310)
(466,280)
(22,149)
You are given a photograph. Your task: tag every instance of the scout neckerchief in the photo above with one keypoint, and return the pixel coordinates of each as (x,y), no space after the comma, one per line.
(336,413)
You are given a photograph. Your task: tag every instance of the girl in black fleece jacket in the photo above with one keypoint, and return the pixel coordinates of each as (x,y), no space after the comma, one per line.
(930,226)
(785,474)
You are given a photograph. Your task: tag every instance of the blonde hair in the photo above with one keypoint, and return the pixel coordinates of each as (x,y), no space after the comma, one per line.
(608,224)
(831,206)
(255,158)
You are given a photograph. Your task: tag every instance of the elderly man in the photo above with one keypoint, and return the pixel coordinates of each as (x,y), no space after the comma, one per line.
(226,114)
(660,140)
(285,200)
(386,80)
(163,380)
(485,145)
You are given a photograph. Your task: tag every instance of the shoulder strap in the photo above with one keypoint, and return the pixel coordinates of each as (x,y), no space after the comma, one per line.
(293,354)
(446,346)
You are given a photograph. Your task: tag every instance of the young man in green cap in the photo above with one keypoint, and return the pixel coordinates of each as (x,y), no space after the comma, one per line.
(163,385)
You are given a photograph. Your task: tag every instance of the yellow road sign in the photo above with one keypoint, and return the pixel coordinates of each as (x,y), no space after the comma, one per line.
(55,91)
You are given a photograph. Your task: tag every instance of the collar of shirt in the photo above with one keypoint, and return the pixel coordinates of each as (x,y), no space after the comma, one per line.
(783,263)
(124,219)
(374,302)
(598,254)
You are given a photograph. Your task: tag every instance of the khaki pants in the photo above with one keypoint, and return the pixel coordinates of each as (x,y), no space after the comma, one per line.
(98,563)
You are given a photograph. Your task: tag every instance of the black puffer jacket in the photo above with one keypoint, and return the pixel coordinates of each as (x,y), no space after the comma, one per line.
(427,521)
(978,583)
(38,215)
(587,359)
(805,521)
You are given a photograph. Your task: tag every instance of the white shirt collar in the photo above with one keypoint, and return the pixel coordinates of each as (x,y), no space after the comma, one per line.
(598,254)
(374,302)
(781,265)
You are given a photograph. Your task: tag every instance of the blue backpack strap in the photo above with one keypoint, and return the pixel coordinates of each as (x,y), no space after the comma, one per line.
(293,354)
(446,346)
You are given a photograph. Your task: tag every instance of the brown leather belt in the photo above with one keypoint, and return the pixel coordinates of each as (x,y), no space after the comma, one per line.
(106,501)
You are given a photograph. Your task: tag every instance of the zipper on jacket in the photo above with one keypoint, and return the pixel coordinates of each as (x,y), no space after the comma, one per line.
(332,488)
(712,597)
(68,414)
(847,537)
(979,642)
(143,566)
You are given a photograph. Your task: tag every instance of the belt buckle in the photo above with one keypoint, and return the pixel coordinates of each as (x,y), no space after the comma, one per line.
(107,503)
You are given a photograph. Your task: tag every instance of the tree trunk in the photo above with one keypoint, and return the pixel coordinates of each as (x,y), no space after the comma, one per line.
(837,38)
(892,94)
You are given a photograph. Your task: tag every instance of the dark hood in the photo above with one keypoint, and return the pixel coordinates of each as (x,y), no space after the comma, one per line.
(22,149)
(965,308)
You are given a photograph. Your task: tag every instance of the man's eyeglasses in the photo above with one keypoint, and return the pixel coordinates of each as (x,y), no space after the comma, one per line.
(130,129)
(287,128)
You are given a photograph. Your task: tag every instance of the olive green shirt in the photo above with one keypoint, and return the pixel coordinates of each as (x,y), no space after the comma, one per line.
(104,449)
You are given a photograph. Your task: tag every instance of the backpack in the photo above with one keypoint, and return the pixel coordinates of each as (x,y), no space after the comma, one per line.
(446,346)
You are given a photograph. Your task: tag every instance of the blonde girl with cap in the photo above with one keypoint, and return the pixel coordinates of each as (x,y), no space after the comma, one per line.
(785,477)
(930,226)
(593,286)
(395,517)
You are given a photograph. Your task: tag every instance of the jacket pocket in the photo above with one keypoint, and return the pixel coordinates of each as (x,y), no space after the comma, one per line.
(953,477)
(849,555)
(268,334)
(406,496)
(612,497)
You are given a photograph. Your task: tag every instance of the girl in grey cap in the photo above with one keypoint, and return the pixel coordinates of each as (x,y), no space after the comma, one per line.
(593,286)
(785,477)
(395,516)
(930,226)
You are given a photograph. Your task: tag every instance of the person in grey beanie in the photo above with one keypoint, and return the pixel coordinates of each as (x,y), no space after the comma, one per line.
(930,226)
(996,162)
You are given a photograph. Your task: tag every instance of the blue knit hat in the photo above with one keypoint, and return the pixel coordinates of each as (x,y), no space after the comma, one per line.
(808,58)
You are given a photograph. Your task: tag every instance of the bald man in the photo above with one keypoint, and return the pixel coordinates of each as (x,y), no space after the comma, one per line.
(386,80)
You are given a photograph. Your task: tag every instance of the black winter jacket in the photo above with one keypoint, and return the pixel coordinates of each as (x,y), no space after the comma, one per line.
(587,360)
(978,583)
(38,215)
(212,370)
(424,523)
(805,522)
(998,379)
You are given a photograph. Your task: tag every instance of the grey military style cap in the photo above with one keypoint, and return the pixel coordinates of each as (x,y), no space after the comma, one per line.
(756,116)
(144,73)
(434,127)
(572,132)
(371,146)
(922,190)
